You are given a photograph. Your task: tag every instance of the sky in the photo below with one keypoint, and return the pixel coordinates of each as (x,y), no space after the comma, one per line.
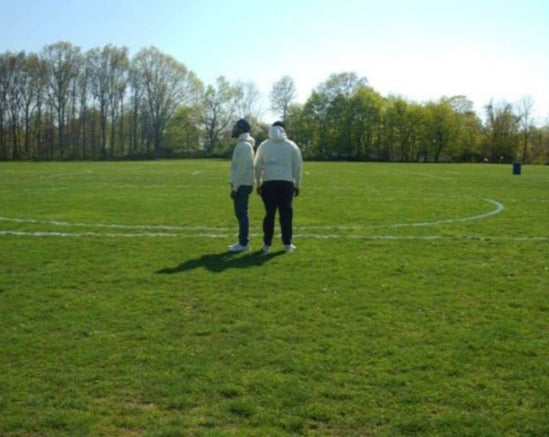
(420,50)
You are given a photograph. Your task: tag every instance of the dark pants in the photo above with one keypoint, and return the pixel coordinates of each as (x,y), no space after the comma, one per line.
(277,195)
(241,212)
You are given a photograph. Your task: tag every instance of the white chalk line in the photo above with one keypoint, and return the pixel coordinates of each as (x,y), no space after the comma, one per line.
(305,236)
(112,226)
(498,209)
(226,232)
(84,234)
(428,175)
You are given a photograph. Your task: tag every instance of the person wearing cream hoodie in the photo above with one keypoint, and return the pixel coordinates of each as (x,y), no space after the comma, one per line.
(277,168)
(242,181)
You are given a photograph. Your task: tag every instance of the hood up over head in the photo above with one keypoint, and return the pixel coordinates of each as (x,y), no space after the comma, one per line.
(277,132)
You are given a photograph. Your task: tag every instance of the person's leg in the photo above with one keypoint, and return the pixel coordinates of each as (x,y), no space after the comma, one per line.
(285,197)
(241,212)
(268,194)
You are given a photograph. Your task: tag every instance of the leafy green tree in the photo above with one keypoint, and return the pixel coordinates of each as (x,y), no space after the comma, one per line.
(135,111)
(341,84)
(539,153)
(501,132)
(218,111)
(442,128)
(298,129)
(31,92)
(365,109)
(328,114)
(98,67)
(13,82)
(417,120)
(118,82)
(20,90)
(183,132)
(166,85)
(337,123)
(525,106)
(466,138)
(4,87)
(283,94)
(248,103)
(394,129)
(63,62)
(315,118)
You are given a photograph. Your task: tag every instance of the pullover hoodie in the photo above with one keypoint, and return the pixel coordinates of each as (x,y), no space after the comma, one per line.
(278,159)
(242,164)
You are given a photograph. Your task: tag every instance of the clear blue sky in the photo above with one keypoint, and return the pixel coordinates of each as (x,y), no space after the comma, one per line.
(421,49)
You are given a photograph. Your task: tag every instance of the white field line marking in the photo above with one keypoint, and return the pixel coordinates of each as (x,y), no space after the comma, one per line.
(64,175)
(310,236)
(427,175)
(420,237)
(499,208)
(113,226)
(84,234)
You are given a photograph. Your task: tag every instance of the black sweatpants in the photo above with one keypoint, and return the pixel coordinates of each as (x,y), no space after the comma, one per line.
(277,195)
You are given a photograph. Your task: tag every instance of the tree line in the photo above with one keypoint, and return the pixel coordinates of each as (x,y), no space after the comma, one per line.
(344,118)
(63,104)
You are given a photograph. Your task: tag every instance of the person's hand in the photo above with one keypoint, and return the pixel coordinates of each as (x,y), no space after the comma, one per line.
(296,192)
(259,191)
(233,194)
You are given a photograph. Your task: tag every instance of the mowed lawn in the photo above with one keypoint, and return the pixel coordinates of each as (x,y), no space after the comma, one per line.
(416,303)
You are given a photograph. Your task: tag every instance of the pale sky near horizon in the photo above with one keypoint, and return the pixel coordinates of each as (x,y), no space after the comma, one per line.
(421,50)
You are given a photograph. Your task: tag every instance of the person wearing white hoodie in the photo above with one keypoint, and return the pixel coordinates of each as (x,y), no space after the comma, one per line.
(277,167)
(242,181)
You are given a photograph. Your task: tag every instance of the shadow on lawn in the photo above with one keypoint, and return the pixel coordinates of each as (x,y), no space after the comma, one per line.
(222,261)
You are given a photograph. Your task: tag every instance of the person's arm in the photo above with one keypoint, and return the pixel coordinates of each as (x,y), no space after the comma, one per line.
(297,166)
(235,167)
(258,168)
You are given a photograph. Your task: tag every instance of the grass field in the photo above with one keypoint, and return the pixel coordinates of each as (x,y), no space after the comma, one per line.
(416,303)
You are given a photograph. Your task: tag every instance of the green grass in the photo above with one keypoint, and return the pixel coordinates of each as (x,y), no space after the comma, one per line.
(400,313)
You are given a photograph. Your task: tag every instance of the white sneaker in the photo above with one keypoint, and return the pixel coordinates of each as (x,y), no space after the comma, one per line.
(265,248)
(289,248)
(239,248)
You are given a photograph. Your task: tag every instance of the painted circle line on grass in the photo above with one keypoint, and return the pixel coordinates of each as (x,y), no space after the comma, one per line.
(311,236)
(215,232)
(110,226)
(498,208)
(84,234)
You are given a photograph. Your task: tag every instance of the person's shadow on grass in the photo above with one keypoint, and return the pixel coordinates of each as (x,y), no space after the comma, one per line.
(222,261)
